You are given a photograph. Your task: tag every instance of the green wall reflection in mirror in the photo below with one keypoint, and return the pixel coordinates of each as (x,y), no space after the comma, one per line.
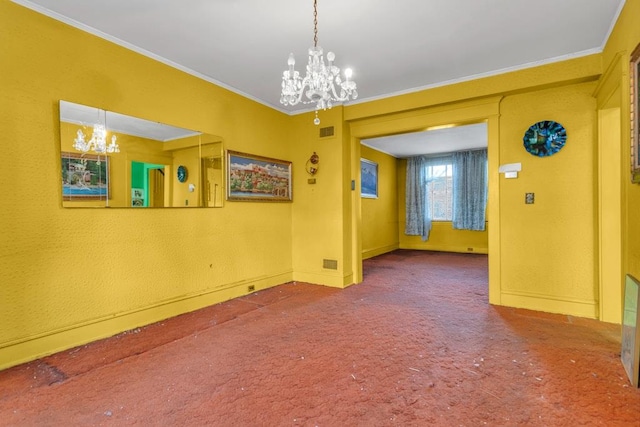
(137,168)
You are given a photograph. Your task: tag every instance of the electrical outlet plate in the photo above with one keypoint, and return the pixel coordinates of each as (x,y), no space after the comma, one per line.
(529,198)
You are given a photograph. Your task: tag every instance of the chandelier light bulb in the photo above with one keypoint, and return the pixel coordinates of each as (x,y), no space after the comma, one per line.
(348,72)
(291,62)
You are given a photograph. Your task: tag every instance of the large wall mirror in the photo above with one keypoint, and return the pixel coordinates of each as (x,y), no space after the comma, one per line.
(113,160)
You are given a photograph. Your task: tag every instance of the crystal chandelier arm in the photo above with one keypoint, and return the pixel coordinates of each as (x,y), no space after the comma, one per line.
(79,143)
(97,143)
(347,89)
(291,83)
(342,96)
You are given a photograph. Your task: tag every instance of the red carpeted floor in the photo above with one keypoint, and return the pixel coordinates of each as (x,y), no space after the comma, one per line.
(416,344)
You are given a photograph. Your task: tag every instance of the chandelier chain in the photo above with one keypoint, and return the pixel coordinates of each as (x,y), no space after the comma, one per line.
(315,23)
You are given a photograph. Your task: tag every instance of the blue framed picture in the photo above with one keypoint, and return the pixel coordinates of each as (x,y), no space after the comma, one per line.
(368,179)
(84,177)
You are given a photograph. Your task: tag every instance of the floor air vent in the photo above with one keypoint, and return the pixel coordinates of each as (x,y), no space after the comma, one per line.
(331,264)
(326,132)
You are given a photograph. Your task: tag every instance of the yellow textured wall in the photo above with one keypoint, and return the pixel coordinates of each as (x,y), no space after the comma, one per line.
(624,39)
(380,216)
(73,275)
(318,211)
(610,274)
(548,248)
(443,236)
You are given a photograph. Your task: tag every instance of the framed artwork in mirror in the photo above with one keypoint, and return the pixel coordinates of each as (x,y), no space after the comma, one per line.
(157,165)
(85,177)
(630,352)
(368,179)
(634,73)
(257,178)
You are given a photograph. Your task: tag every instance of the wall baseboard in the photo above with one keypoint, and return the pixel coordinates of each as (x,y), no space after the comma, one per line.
(50,342)
(325,279)
(444,248)
(550,304)
(370,253)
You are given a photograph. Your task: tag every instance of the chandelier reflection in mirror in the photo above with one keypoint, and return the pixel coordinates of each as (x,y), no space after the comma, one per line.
(98,141)
(319,85)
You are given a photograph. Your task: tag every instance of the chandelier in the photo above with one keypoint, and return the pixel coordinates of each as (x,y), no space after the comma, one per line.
(322,85)
(98,142)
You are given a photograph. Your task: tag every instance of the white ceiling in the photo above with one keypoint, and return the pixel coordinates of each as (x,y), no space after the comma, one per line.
(434,141)
(393,47)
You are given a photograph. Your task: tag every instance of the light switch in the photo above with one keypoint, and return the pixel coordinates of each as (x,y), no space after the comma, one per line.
(529,198)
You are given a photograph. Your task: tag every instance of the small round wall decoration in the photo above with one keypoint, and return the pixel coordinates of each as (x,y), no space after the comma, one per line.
(182,173)
(545,138)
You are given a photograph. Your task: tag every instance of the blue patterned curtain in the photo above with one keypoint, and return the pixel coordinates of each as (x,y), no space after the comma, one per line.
(469,190)
(416,223)
(418,208)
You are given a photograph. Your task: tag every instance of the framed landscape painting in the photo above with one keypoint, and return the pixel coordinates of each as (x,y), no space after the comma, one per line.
(84,177)
(256,178)
(369,179)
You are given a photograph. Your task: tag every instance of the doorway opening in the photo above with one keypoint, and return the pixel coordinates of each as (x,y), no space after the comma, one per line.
(148,185)
(383,223)
(484,111)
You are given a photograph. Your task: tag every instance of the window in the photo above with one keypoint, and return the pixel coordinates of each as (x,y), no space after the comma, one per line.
(439,191)
(446,188)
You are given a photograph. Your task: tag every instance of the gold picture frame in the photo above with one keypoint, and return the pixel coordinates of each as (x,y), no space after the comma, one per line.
(634,80)
(257,178)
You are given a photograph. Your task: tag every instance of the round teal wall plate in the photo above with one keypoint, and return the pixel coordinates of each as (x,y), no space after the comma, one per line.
(545,138)
(182,173)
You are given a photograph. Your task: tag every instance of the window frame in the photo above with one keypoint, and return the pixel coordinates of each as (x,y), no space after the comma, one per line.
(429,181)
